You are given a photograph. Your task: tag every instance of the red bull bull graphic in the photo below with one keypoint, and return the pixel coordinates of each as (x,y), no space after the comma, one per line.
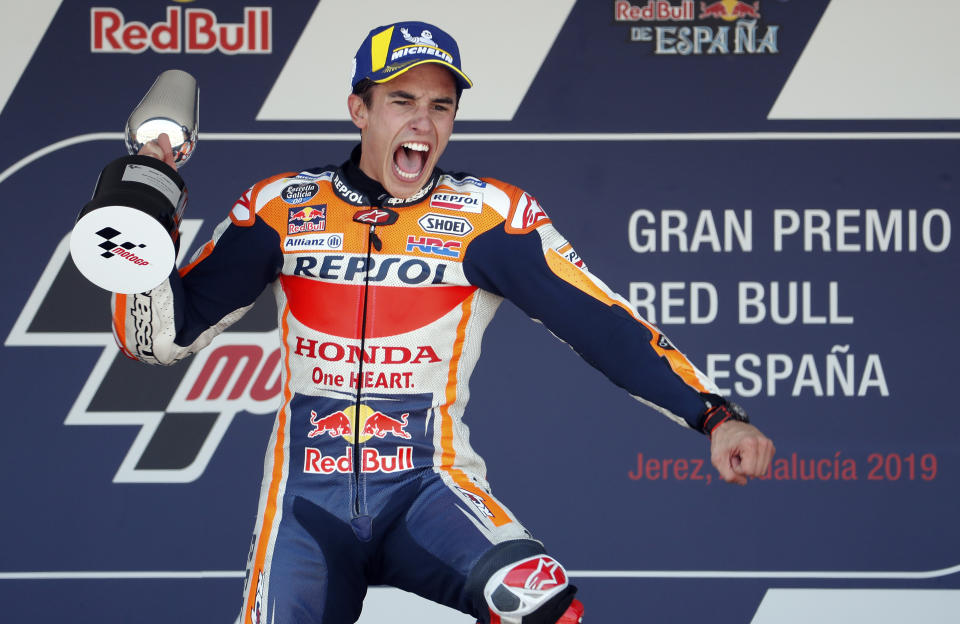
(379,424)
(371,423)
(729,10)
(743,36)
(713,10)
(335,425)
(747,10)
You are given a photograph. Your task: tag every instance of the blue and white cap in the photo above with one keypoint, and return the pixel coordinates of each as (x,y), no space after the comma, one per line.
(389,51)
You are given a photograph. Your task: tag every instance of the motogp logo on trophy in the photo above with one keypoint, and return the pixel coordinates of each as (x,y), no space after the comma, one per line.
(112,249)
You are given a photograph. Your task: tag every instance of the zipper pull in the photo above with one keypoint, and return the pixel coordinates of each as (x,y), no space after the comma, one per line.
(374,239)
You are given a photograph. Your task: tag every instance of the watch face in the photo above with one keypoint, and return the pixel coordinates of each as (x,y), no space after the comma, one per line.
(737,412)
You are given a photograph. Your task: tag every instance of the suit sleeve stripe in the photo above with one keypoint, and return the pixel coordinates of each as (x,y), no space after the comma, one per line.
(575,277)
(268,525)
(449,455)
(206,251)
(120,323)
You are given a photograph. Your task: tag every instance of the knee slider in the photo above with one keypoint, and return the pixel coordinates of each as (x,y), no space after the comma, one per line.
(534,590)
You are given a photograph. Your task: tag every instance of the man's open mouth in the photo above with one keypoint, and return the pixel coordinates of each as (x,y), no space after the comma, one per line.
(410,159)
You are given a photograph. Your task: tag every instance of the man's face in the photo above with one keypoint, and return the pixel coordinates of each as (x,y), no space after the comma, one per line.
(406,127)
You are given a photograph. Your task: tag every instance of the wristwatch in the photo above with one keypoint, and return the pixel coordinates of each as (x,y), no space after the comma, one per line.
(721,413)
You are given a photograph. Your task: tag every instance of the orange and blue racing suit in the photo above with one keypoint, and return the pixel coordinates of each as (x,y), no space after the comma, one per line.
(369,477)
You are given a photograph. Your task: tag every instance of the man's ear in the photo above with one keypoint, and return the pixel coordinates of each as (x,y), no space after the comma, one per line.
(358,111)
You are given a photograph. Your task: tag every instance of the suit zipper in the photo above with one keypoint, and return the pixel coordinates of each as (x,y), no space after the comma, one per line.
(356,414)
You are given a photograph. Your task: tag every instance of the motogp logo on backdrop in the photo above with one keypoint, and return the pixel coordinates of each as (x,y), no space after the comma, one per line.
(194,31)
(180,413)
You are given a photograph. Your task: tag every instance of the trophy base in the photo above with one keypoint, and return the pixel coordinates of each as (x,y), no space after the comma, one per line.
(122,249)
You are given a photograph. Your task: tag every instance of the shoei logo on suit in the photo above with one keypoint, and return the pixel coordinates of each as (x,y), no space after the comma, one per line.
(194,31)
(443,224)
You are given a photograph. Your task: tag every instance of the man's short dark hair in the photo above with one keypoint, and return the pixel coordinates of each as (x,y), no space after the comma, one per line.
(364,89)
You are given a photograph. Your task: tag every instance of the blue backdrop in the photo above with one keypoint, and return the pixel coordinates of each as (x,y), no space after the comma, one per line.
(803,259)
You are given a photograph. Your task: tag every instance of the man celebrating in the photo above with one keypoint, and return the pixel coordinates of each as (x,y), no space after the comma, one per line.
(386,271)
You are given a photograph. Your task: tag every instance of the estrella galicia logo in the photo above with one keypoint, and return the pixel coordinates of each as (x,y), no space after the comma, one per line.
(299,193)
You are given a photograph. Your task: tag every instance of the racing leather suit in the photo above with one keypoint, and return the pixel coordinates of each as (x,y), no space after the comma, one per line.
(369,477)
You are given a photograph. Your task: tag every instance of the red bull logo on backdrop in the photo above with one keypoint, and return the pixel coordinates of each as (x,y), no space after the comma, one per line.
(193,31)
(653,11)
(743,35)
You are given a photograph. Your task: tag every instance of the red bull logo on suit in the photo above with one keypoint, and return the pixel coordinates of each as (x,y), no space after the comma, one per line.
(371,424)
(307,219)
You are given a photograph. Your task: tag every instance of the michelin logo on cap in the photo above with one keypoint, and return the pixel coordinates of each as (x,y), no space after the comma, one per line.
(389,51)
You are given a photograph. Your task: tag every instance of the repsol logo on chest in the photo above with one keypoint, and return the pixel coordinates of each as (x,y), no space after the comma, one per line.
(348,194)
(357,269)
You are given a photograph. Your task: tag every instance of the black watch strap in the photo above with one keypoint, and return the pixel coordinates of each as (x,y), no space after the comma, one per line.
(719,414)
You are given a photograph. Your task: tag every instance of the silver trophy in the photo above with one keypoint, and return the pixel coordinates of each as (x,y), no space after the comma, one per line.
(126,237)
(171,106)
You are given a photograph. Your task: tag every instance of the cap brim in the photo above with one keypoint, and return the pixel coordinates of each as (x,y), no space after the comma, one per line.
(465,82)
